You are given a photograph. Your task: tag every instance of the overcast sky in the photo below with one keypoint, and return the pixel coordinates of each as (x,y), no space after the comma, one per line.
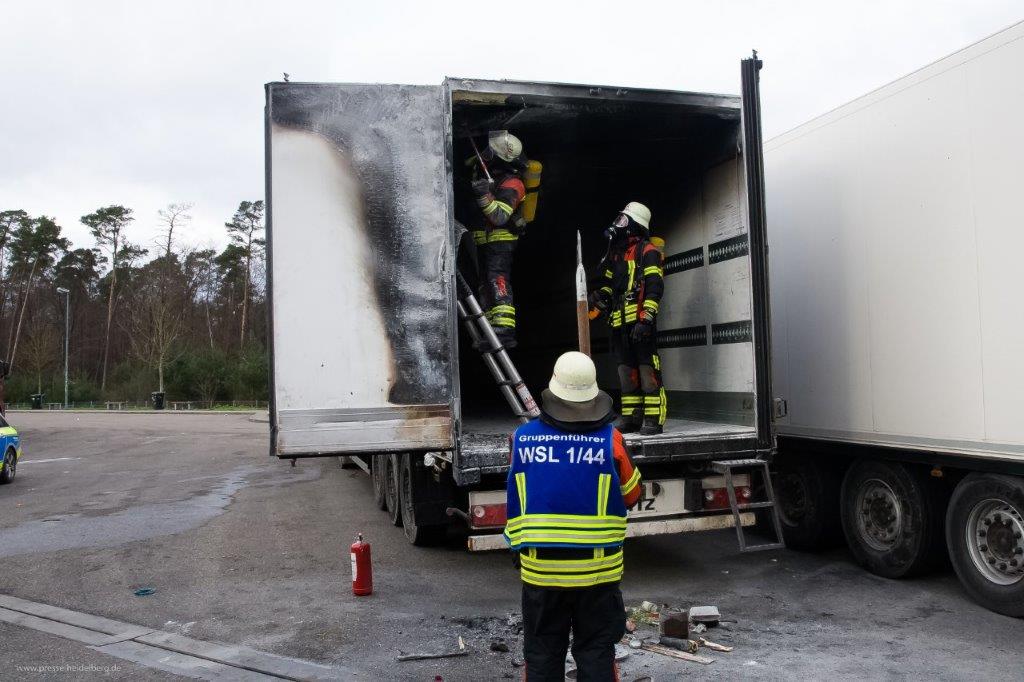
(144,103)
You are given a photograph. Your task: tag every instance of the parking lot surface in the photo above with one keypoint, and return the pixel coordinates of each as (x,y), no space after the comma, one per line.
(244,549)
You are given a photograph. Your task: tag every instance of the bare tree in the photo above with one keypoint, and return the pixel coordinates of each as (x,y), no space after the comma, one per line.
(42,347)
(175,216)
(245,230)
(107,226)
(33,249)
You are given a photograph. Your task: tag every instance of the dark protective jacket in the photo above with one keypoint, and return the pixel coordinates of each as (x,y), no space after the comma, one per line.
(634,281)
(498,207)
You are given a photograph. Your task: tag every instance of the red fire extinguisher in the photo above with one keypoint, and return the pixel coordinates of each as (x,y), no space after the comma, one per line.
(362,569)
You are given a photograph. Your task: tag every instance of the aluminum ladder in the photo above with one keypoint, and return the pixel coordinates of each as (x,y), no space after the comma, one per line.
(494,354)
(727,468)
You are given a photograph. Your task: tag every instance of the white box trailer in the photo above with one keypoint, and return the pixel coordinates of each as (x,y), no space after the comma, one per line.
(367,360)
(898,323)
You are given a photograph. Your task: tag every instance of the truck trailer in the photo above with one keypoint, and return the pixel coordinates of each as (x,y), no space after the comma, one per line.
(898,327)
(369,359)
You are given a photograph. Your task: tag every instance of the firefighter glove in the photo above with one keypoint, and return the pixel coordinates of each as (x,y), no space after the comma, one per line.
(482,186)
(600,300)
(641,331)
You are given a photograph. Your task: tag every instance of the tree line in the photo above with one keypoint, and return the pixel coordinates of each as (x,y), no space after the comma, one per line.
(168,317)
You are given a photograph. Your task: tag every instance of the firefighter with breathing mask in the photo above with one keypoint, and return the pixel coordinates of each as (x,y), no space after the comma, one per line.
(630,294)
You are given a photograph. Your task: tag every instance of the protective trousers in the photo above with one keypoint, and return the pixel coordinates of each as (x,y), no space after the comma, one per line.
(643,395)
(496,287)
(594,615)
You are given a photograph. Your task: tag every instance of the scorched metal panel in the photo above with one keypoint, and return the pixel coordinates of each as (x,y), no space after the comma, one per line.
(359,269)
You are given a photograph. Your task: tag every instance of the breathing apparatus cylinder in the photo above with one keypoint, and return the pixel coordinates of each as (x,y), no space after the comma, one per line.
(531,179)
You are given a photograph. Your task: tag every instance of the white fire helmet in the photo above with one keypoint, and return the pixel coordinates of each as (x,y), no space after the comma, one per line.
(640,214)
(504,144)
(574,378)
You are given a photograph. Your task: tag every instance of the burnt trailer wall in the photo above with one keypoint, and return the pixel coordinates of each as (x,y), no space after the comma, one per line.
(359,277)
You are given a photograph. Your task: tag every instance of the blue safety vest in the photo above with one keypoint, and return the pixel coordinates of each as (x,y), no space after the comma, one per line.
(563,489)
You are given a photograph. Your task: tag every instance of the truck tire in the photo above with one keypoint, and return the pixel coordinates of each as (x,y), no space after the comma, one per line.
(378,474)
(985,535)
(392,490)
(808,501)
(417,499)
(892,518)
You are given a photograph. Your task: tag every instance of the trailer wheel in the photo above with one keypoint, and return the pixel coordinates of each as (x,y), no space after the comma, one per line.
(378,473)
(985,534)
(416,500)
(892,518)
(808,502)
(392,491)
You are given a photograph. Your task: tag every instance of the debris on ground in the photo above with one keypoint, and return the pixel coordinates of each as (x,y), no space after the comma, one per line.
(144,591)
(499,645)
(630,625)
(708,615)
(645,614)
(621,653)
(674,624)
(687,645)
(673,653)
(461,651)
(698,628)
(635,642)
(713,646)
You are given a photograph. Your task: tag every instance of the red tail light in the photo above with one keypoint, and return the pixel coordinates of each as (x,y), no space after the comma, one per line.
(718,498)
(488,515)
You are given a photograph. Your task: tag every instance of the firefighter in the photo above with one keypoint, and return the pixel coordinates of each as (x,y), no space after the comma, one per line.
(497,226)
(630,295)
(569,485)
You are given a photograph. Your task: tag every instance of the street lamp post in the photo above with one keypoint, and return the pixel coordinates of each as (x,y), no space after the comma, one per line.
(67,328)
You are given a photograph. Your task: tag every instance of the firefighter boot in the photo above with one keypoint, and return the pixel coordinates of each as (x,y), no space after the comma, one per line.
(651,426)
(628,423)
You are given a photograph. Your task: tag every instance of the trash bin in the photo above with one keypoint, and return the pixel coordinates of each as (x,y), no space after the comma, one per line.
(37,401)
(158,399)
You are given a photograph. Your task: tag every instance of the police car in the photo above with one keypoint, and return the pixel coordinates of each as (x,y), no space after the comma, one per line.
(10,441)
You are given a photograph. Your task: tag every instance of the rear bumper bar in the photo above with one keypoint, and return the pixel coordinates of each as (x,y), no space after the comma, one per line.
(493,541)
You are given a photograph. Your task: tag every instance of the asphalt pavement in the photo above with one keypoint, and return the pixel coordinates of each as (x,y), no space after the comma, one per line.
(244,549)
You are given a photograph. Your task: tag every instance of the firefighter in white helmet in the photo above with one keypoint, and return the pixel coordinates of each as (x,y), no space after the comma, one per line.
(560,464)
(498,192)
(630,295)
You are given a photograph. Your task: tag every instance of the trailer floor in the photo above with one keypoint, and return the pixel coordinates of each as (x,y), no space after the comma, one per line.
(247,550)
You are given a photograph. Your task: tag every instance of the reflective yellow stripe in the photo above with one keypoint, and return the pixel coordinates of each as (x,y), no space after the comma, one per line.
(507,309)
(479,236)
(571,565)
(653,270)
(604,485)
(631,399)
(503,322)
(567,537)
(500,236)
(631,269)
(652,400)
(630,308)
(656,361)
(521,489)
(607,274)
(548,580)
(651,305)
(606,289)
(632,483)
(562,520)
(664,407)
(652,411)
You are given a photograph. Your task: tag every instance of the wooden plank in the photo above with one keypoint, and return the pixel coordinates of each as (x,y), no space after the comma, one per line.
(715,647)
(681,655)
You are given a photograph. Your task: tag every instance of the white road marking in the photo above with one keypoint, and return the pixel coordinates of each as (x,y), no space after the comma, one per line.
(41,461)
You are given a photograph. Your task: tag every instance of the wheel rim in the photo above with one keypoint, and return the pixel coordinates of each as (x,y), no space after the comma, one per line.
(879,515)
(995,538)
(10,464)
(792,499)
(390,490)
(405,480)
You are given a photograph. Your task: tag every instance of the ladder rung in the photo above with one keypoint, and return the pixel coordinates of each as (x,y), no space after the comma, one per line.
(754,505)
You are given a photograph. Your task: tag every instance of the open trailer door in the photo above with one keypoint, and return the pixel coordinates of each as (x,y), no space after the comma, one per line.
(358,269)
(753,155)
